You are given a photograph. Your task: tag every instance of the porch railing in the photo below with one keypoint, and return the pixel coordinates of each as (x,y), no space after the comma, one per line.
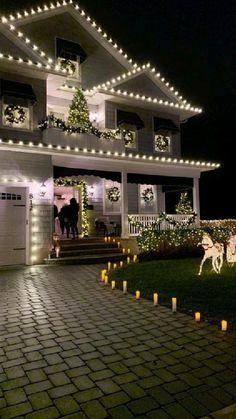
(147,219)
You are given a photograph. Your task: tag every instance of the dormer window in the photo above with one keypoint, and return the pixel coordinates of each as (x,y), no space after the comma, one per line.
(70,56)
(164,130)
(130,123)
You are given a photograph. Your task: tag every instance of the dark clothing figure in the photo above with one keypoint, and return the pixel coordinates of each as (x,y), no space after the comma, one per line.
(73,216)
(55,211)
(64,220)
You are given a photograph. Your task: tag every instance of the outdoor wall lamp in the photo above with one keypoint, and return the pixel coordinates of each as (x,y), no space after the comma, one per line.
(42,190)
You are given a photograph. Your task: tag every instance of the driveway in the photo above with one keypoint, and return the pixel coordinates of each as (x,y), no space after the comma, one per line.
(70,347)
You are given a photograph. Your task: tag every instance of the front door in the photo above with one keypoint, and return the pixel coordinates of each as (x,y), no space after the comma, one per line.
(12,226)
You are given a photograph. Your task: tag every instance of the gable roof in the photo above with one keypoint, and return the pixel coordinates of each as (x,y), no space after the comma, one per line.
(12,25)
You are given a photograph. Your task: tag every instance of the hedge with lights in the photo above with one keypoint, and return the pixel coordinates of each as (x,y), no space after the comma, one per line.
(75,181)
(183,240)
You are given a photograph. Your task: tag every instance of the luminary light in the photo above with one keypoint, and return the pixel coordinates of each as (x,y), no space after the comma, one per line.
(105,239)
(155,299)
(109,266)
(114,265)
(124,250)
(174,304)
(118,244)
(128,260)
(109,239)
(224,325)
(197,316)
(121,264)
(103,273)
(57,251)
(114,240)
(137,295)
(124,287)
(106,279)
(128,251)
(113,285)
(135,258)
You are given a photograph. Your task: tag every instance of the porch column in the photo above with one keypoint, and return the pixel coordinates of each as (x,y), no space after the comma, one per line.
(124,206)
(161,200)
(196,199)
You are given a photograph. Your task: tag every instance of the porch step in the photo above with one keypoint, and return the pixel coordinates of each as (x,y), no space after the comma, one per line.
(86,251)
(87,246)
(87,259)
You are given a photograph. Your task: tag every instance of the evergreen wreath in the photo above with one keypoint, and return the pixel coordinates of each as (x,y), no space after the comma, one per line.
(148,195)
(162,143)
(15,114)
(128,138)
(113,194)
(68,65)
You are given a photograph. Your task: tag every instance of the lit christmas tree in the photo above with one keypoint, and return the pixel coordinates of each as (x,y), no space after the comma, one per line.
(79,113)
(184,205)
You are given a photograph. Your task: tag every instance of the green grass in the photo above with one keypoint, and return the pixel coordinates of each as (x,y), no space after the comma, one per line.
(212,294)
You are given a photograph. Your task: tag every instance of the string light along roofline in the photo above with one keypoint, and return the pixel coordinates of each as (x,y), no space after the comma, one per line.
(30,63)
(70,3)
(29,145)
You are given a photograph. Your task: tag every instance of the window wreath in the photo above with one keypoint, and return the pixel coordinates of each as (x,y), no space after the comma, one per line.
(113,194)
(68,65)
(162,143)
(128,137)
(148,195)
(15,114)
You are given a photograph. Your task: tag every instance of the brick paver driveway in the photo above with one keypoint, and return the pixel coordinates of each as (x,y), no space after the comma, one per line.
(72,348)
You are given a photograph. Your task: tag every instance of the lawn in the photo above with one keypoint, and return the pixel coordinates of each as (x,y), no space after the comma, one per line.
(211,294)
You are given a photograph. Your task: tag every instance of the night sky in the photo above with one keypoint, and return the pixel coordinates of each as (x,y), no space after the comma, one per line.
(193,44)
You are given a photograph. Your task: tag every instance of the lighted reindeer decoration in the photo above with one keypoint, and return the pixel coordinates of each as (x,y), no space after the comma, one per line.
(231,250)
(212,250)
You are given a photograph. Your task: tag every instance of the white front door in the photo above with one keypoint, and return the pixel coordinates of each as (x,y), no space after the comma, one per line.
(12,225)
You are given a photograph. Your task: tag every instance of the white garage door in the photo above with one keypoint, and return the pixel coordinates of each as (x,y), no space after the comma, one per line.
(12,226)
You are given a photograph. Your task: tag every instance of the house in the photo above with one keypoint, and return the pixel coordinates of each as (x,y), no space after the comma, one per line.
(46,54)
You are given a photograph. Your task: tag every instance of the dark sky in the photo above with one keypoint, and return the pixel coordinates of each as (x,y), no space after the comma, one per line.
(193,44)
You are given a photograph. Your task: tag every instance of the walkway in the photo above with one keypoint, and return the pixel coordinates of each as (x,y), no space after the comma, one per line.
(70,347)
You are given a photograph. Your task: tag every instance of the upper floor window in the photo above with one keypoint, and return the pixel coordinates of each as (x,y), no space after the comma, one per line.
(130,123)
(17,100)
(164,129)
(70,56)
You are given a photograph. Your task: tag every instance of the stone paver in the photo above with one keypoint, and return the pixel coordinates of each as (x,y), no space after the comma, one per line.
(70,347)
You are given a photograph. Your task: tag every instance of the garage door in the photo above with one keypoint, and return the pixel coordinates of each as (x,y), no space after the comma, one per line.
(12,226)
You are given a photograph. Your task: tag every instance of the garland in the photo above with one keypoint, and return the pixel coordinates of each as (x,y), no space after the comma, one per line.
(162,143)
(74,181)
(113,194)
(147,195)
(68,65)
(162,217)
(51,120)
(15,114)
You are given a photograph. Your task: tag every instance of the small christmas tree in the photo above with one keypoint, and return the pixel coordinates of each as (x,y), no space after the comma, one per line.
(79,113)
(184,205)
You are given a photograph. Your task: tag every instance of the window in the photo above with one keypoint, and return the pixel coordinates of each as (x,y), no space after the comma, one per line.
(164,130)
(129,124)
(112,197)
(17,101)
(70,55)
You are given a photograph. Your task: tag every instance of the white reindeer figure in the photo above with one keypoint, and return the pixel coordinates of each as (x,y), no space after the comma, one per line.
(212,250)
(231,250)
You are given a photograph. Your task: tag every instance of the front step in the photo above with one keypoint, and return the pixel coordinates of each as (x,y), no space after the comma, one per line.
(86,251)
(87,259)
(93,251)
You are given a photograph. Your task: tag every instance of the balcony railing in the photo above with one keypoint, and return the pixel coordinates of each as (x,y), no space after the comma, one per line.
(56,136)
(148,219)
